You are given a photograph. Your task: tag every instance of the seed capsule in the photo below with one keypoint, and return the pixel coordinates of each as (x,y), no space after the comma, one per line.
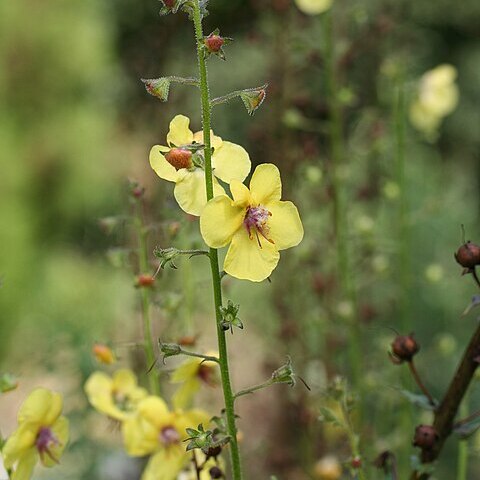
(425,437)
(404,348)
(468,255)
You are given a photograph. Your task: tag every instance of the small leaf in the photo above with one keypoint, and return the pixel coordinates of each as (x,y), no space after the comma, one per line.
(467,429)
(419,400)
(8,382)
(329,416)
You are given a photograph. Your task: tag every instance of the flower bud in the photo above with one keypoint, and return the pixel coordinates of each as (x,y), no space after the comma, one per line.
(158,87)
(103,354)
(213,451)
(404,348)
(425,437)
(253,98)
(214,43)
(145,280)
(356,463)
(328,468)
(179,158)
(284,374)
(468,255)
(170,349)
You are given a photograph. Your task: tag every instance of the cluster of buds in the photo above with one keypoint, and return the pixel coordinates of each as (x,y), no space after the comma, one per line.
(404,348)
(230,317)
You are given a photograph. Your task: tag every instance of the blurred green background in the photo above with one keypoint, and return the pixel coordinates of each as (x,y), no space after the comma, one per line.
(76,123)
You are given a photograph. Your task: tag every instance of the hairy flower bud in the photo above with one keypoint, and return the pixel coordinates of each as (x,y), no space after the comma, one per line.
(468,255)
(404,348)
(425,437)
(214,43)
(179,158)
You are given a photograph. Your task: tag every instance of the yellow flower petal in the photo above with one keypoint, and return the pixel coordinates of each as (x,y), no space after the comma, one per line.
(154,410)
(25,466)
(285,226)
(19,443)
(183,396)
(124,380)
(61,431)
(160,165)
(313,7)
(42,406)
(140,437)
(166,464)
(266,186)
(190,192)
(231,162)
(220,212)
(246,260)
(186,370)
(179,133)
(215,141)
(191,419)
(240,193)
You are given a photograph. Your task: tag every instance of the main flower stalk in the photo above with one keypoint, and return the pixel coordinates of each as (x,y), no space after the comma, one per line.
(217,288)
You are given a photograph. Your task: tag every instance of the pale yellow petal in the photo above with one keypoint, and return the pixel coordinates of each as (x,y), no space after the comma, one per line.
(231,162)
(25,466)
(160,165)
(285,226)
(220,220)
(166,464)
(190,192)
(179,133)
(191,419)
(247,261)
(240,193)
(41,406)
(19,442)
(154,410)
(313,7)
(266,185)
(124,380)
(140,436)
(187,369)
(183,396)
(215,141)
(60,430)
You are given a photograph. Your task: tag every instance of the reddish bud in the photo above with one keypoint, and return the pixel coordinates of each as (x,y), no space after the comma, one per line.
(404,348)
(468,255)
(103,354)
(214,43)
(170,3)
(356,462)
(179,158)
(425,437)
(187,340)
(145,280)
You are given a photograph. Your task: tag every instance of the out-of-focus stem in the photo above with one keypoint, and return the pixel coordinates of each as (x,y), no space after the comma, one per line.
(216,280)
(419,382)
(145,294)
(462,459)
(340,211)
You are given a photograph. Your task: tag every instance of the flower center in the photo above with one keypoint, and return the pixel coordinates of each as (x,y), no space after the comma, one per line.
(179,158)
(169,436)
(45,441)
(122,401)
(255,222)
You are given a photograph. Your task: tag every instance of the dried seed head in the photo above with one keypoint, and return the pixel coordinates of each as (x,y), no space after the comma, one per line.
(179,158)
(404,348)
(425,437)
(215,472)
(468,255)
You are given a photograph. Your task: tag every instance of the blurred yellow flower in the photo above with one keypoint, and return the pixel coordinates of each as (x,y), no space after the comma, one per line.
(103,354)
(191,373)
(175,164)
(437,97)
(42,433)
(328,468)
(255,223)
(159,432)
(313,7)
(116,396)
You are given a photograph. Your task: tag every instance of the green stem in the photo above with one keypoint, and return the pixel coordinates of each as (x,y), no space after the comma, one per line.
(462,461)
(216,280)
(207,358)
(246,391)
(145,294)
(340,217)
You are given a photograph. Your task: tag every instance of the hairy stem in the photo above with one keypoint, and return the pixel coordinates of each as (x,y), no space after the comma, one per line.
(145,294)
(216,280)
(246,391)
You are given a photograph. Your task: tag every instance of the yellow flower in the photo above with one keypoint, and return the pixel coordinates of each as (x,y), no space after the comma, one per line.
(328,468)
(191,374)
(313,7)
(42,433)
(116,397)
(175,164)
(159,432)
(437,97)
(255,223)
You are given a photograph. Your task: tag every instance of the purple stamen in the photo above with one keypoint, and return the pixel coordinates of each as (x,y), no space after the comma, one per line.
(256,219)
(169,436)
(45,441)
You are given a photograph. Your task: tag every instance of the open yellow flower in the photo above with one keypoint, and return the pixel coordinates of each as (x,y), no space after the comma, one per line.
(313,7)
(175,163)
(255,223)
(115,396)
(436,98)
(159,432)
(42,433)
(191,374)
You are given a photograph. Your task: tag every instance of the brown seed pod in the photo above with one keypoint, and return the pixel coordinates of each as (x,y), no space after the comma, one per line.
(425,437)
(179,158)
(404,348)
(468,255)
